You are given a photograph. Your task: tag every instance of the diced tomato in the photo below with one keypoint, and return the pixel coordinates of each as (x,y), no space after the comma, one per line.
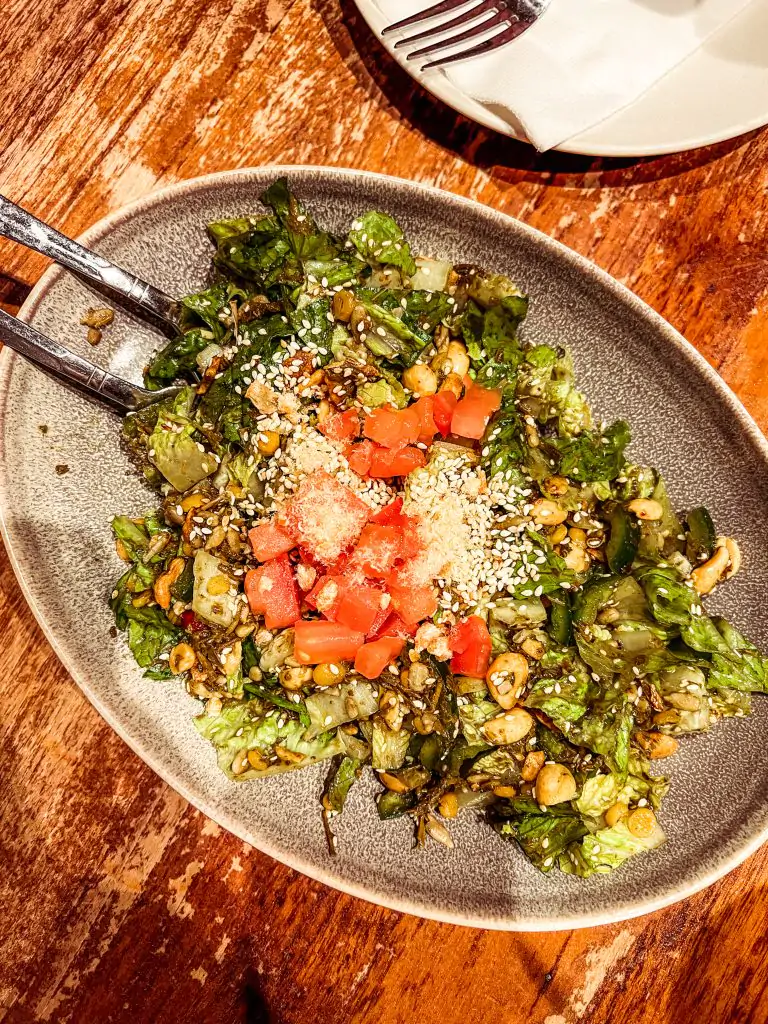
(392,428)
(388,513)
(425,407)
(470,642)
(443,405)
(387,463)
(272,592)
(373,658)
(394,626)
(359,457)
(378,549)
(410,540)
(358,606)
(472,413)
(413,603)
(269,541)
(191,622)
(382,617)
(316,641)
(341,426)
(326,595)
(324,516)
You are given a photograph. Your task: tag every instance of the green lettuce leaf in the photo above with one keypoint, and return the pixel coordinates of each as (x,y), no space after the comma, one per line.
(379,239)
(605,850)
(543,836)
(564,699)
(473,715)
(607,732)
(344,773)
(743,668)
(593,456)
(313,323)
(242,726)
(178,358)
(306,240)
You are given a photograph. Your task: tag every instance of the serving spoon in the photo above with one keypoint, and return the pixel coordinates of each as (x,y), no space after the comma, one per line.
(120,286)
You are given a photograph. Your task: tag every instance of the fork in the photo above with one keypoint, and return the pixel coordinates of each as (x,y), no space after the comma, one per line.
(510,17)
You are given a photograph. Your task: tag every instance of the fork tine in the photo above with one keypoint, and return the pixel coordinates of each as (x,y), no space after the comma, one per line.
(515,29)
(431,12)
(501,18)
(461,19)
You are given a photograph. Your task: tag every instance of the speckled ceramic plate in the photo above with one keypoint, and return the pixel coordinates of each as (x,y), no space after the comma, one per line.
(631,363)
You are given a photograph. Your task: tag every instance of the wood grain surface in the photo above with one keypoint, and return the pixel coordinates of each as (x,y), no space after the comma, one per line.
(120,903)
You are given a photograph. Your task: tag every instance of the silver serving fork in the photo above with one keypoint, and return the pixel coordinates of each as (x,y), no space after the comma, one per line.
(510,18)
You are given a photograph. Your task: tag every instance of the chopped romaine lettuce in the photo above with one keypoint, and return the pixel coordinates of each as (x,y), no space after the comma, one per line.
(240,726)
(378,239)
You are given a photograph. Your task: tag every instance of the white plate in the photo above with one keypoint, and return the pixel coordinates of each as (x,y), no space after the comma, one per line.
(719,92)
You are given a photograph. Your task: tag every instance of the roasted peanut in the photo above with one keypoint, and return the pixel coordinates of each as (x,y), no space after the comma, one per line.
(734,555)
(533,648)
(181,659)
(454,384)
(707,575)
(420,379)
(506,678)
(294,678)
(554,785)
(657,744)
(548,513)
(508,728)
(532,765)
(646,509)
(163,583)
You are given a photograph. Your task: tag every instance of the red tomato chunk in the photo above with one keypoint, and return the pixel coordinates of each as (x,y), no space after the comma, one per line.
(392,428)
(393,626)
(358,606)
(443,405)
(359,457)
(386,462)
(272,592)
(470,642)
(325,516)
(341,426)
(388,513)
(373,658)
(317,641)
(378,549)
(472,413)
(414,603)
(269,541)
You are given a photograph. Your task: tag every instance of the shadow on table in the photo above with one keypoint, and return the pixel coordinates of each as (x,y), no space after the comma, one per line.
(505,158)
(255,1010)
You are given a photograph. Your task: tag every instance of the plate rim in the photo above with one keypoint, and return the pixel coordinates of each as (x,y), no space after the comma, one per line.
(623,912)
(439,87)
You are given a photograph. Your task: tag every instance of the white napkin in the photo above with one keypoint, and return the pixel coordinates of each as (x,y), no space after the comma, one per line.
(582,61)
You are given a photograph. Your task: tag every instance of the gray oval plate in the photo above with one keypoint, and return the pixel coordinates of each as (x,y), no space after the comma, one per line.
(632,364)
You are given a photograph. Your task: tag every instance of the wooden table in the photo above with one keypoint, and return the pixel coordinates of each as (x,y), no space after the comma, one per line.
(121,903)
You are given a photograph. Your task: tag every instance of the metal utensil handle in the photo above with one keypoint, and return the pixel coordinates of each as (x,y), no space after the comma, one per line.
(20,226)
(49,355)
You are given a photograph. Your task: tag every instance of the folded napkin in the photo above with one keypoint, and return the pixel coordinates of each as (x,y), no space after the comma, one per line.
(582,61)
